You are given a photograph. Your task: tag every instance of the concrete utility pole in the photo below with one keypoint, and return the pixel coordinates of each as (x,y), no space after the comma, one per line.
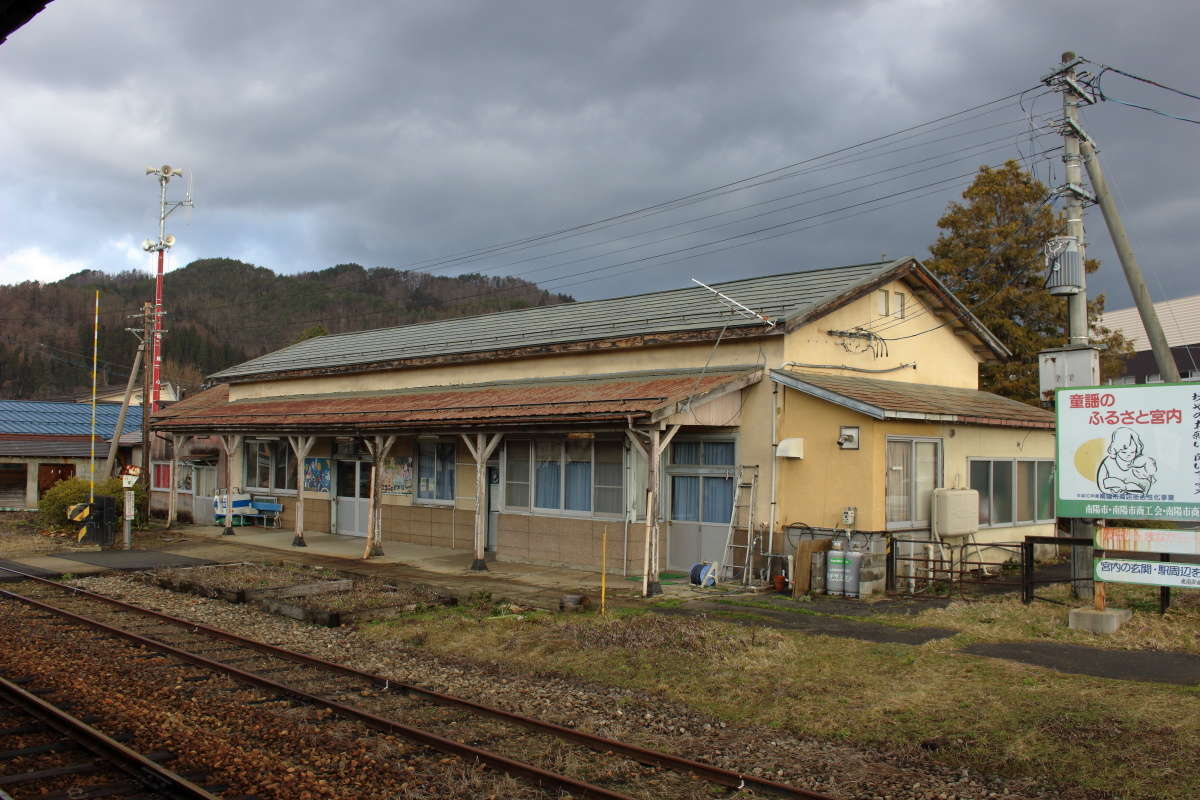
(1080,150)
(1077,316)
(147,319)
(120,429)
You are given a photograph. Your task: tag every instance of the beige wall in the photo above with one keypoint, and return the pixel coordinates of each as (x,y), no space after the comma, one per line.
(943,358)
(730,353)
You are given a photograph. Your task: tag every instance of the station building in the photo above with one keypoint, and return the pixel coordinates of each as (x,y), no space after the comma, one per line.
(534,435)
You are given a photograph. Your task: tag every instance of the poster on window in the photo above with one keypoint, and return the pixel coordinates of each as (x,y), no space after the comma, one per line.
(396,476)
(316,474)
(1130,452)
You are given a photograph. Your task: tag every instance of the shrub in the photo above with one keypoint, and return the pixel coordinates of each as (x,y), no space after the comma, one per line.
(52,508)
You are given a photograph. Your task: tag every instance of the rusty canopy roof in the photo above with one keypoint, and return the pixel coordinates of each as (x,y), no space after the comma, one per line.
(554,401)
(915,401)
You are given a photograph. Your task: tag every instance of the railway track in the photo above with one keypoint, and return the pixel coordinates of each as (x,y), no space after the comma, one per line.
(553,757)
(48,753)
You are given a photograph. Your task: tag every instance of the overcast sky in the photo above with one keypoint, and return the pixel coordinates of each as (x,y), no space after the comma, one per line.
(396,134)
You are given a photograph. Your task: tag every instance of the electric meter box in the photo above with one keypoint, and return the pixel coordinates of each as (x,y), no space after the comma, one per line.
(955,512)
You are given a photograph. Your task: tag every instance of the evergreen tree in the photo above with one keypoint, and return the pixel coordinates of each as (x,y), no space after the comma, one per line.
(990,254)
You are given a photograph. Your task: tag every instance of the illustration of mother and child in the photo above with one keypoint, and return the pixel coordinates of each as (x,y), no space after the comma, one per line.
(1126,470)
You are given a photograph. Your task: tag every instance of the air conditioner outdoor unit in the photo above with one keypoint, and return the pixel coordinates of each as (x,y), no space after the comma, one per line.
(955,512)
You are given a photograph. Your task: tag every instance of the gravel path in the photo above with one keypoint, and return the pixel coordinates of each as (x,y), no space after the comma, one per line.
(838,770)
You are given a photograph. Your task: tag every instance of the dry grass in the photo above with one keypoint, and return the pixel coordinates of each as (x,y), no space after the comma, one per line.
(1005,618)
(16,541)
(1086,735)
(372,593)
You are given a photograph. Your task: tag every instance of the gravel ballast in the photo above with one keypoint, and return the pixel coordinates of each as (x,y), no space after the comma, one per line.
(835,769)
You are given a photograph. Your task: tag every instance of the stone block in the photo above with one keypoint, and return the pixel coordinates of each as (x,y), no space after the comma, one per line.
(1102,622)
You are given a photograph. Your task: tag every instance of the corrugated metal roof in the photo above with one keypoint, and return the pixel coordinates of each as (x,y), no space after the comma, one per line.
(575,399)
(58,418)
(898,400)
(33,448)
(1180,320)
(694,308)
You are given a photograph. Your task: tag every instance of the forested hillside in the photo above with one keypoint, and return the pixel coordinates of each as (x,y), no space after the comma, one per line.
(219,312)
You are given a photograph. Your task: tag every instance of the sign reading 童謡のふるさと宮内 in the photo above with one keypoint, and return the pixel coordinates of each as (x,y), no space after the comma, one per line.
(1129,452)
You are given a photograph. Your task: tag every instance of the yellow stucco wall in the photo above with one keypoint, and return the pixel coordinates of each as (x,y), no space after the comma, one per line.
(815,489)
(943,358)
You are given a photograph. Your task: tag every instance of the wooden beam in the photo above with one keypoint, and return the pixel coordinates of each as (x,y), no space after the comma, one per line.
(301,446)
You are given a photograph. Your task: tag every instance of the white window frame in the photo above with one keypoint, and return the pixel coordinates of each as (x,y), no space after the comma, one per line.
(561,511)
(938,472)
(1015,523)
(435,501)
(701,471)
(179,468)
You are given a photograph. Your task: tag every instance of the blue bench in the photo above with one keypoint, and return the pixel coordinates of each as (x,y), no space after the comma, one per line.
(264,510)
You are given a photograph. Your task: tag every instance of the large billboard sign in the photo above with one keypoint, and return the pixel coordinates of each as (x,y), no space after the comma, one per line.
(1129,452)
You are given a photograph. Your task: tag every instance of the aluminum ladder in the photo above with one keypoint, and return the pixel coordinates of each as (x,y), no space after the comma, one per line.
(738,557)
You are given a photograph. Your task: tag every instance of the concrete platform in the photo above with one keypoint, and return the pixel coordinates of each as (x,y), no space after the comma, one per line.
(1103,622)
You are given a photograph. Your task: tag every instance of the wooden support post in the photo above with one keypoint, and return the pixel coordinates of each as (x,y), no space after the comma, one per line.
(481,450)
(379,447)
(230,443)
(177,442)
(301,445)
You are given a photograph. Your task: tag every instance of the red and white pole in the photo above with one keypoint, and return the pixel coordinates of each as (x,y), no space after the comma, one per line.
(156,353)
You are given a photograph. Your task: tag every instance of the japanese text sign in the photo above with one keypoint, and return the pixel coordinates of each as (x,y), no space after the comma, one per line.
(1148,573)
(1129,452)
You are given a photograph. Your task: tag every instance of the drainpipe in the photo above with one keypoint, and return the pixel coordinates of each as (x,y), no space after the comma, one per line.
(774,466)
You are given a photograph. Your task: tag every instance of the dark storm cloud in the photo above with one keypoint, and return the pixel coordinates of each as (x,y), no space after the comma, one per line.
(386,134)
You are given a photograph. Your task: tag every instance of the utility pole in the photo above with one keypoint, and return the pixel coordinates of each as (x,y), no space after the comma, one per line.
(1077,316)
(1133,271)
(1080,151)
(165,242)
(147,315)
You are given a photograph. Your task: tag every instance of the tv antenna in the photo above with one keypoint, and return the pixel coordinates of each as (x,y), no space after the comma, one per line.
(736,307)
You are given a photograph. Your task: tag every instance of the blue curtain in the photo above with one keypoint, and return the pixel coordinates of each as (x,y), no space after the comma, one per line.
(685,498)
(718,454)
(579,486)
(445,478)
(546,491)
(718,500)
(426,471)
(685,453)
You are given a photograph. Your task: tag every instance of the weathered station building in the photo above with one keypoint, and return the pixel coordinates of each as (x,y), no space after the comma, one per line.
(534,435)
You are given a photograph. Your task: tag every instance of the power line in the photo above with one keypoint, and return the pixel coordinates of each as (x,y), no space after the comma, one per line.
(1106,68)
(690,249)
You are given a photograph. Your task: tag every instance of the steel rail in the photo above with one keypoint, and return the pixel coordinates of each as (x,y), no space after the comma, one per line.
(510,766)
(146,772)
(711,773)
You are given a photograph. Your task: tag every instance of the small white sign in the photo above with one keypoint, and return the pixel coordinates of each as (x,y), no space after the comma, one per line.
(1148,573)
(129,509)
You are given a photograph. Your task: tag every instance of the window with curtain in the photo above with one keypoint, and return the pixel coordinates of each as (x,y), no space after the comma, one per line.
(701,480)
(685,498)
(718,500)
(565,475)
(577,480)
(547,474)
(269,465)
(1013,491)
(913,472)
(435,471)
(162,476)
